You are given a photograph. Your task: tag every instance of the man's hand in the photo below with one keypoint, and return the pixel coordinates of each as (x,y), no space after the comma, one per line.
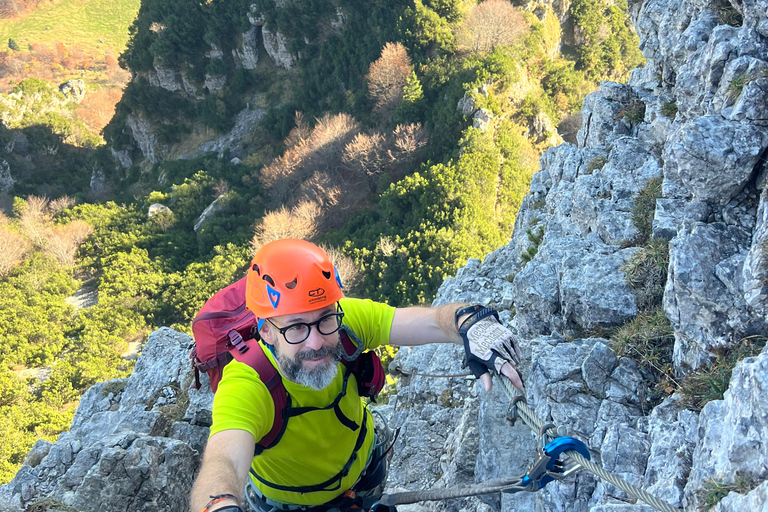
(489,346)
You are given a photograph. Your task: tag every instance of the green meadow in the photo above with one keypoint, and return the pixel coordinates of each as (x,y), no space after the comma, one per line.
(81,22)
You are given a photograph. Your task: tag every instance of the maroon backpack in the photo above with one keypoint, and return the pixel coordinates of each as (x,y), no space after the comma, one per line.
(224,330)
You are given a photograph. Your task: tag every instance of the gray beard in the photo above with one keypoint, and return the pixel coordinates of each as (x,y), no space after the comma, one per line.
(317,378)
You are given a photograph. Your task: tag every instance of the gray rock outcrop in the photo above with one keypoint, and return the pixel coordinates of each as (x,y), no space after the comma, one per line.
(210,211)
(276,46)
(6,180)
(247,53)
(134,443)
(146,139)
(73,90)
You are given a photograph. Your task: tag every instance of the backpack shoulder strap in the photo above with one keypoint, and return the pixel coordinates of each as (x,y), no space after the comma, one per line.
(258,360)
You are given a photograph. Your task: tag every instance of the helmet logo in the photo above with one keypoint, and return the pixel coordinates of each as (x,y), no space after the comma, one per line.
(316,292)
(274,296)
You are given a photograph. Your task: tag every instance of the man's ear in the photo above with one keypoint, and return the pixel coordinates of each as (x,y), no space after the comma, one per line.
(267,335)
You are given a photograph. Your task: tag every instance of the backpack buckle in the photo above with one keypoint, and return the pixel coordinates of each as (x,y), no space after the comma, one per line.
(236,341)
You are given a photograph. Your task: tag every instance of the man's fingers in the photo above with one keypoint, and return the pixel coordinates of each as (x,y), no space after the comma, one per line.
(510,372)
(486,380)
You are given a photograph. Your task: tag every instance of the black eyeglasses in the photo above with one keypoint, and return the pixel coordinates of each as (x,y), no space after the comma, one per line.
(298,332)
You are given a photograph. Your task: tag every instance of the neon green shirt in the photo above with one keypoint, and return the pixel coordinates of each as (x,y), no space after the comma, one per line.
(315,445)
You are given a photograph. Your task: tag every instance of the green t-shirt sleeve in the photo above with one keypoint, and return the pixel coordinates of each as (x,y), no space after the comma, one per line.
(370,321)
(242,402)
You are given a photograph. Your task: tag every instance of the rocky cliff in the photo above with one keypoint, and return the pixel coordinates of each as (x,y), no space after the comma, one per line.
(694,123)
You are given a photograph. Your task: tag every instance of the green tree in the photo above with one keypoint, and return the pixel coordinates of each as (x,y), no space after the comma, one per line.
(13,45)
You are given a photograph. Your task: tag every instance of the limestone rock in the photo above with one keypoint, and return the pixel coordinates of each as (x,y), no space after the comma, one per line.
(6,180)
(599,114)
(755,272)
(704,311)
(713,159)
(755,501)
(671,214)
(73,90)
(673,433)
(146,138)
(247,54)
(212,208)
(276,47)
(482,119)
(245,122)
(122,157)
(215,83)
(157,209)
(98,183)
(733,431)
(118,455)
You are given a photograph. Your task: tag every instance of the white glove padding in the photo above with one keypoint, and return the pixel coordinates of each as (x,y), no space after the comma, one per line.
(487,343)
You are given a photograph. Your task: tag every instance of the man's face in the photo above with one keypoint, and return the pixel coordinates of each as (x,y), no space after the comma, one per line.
(312,363)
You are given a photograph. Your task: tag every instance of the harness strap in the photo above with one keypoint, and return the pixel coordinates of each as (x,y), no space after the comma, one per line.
(347,422)
(324,486)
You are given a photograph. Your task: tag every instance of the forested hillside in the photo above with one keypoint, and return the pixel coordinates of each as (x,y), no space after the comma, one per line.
(401,135)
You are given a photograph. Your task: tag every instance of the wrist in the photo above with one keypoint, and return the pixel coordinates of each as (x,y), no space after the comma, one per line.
(223,503)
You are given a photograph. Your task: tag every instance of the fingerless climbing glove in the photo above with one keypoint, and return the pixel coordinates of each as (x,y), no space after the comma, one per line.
(487,343)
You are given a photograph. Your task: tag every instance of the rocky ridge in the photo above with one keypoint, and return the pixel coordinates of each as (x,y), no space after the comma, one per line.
(135,444)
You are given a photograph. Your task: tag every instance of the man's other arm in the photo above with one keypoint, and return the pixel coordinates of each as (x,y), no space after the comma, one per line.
(422,325)
(225,467)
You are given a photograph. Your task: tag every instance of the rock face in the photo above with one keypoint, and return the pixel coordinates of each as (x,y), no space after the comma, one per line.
(73,90)
(145,138)
(247,53)
(6,180)
(134,443)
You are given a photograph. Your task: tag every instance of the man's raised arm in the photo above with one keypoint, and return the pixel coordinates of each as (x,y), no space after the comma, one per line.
(225,467)
(487,344)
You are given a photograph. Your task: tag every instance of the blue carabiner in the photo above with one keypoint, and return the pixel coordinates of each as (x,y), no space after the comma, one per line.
(548,458)
(564,444)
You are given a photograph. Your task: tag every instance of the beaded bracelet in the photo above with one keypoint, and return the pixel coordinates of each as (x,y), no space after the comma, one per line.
(218,498)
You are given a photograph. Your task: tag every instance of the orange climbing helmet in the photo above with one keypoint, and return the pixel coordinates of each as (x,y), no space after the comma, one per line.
(290,276)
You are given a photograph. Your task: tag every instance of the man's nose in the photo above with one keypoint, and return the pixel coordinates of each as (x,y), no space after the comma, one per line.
(315,340)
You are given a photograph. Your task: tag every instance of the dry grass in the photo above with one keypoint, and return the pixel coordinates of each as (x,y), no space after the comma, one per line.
(63,241)
(647,273)
(711,383)
(319,151)
(648,339)
(715,490)
(345,265)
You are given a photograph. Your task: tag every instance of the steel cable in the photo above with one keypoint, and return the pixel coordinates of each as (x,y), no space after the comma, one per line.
(535,423)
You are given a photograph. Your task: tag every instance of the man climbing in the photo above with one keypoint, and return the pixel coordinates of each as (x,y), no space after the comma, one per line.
(326,445)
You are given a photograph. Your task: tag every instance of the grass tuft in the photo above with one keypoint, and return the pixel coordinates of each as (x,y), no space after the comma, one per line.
(728,15)
(669,109)
(711,383)
(645,207)
(634,112)
(646,273)
(596,163)
(648,339)
(715,490)
(49,504)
